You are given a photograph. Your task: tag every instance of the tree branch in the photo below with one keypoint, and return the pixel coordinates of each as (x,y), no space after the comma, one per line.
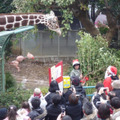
(106,4)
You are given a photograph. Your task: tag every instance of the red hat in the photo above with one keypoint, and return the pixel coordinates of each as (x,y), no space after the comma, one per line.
(112,70)
(76,62)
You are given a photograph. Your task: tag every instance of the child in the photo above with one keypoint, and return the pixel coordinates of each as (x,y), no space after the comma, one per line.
(38,93)
(76,70)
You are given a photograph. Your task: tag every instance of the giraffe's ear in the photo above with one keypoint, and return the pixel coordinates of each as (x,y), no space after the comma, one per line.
(52,13)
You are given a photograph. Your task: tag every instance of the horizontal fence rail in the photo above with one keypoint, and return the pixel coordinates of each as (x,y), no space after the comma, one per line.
(89,87)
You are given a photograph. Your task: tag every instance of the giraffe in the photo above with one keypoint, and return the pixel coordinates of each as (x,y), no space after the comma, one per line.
(11,21)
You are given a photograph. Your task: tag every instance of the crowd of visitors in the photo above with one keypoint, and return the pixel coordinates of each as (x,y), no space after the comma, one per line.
(72,104)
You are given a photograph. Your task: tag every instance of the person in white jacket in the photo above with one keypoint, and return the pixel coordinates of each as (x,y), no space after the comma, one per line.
(38,93)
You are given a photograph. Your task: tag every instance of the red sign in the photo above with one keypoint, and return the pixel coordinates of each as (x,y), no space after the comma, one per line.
(56,73)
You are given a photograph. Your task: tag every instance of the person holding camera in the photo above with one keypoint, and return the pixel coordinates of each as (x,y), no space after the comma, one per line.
(54,109)
(101,97)
(78,87)
(52,92)
(74,109)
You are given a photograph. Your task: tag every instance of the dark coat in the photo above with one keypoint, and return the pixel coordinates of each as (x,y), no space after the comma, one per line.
(117,92)
(75,111)
(49,97)
(35,113)
(53,112)
(79,90)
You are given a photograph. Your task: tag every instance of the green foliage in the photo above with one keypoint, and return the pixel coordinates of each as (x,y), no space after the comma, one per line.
(103,30)
(8,50)
(36,5)
(114,6)
(95,56)
(6,6)
(67,19)
(16,96)
(10,81)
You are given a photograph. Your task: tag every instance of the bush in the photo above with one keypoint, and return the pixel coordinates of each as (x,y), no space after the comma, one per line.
(10,81)
(95,56)
(16,97)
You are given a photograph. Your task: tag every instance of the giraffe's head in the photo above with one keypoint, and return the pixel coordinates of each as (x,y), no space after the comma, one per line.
(52,22)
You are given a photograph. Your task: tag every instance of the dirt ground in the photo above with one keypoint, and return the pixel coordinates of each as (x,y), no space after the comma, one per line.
(33,73)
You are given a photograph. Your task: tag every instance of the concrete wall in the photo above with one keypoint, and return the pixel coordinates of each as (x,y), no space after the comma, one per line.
(41,45)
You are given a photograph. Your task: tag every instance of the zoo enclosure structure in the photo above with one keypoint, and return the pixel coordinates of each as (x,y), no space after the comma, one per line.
(5,36)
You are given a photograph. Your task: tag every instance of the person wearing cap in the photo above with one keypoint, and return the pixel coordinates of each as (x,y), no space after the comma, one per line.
(78,88)
(111,72)
(38,93)
(76,72)
(110,75)
(116,88)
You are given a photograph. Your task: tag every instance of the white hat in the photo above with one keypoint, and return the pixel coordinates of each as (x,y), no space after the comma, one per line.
(76,62)
(37,91)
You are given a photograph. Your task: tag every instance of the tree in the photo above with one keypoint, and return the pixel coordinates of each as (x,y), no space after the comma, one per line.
(79,9)
(6,6)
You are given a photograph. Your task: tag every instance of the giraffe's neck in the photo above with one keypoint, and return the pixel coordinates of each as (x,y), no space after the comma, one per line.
(16,20)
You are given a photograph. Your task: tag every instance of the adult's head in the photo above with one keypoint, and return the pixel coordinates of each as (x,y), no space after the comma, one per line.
(3,113)
(75,81)
(12,112)
(115,102)
(73,100)
(104,111)
(56,99)
(112,71)
(87,108)
(98,86)
(53,86)
(66,117)
(37,92)
(116,84)
(76,64)
(35,102)
(25,105)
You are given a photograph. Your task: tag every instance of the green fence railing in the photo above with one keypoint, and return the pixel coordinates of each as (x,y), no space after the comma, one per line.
(5,36)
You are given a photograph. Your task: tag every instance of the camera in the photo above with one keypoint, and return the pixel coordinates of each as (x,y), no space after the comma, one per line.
(57,91)
(105,89)
(62,110)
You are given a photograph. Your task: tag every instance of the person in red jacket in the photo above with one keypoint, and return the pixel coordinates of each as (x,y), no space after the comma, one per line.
(112,75)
